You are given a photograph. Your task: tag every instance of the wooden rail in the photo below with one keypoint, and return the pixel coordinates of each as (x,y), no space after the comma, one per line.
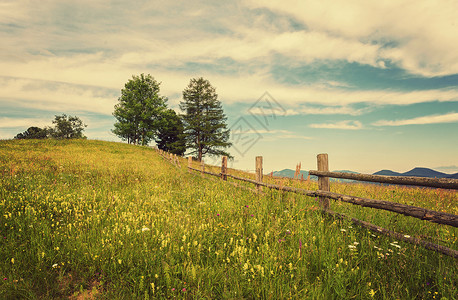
(407,210)
(324,195)
(445,183)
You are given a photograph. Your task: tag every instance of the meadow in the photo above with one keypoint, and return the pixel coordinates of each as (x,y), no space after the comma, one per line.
(86,219)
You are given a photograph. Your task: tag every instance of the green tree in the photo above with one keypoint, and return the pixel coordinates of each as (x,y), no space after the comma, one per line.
(170,136)
(139,110)
(33,133)
(67,127)
(204,120)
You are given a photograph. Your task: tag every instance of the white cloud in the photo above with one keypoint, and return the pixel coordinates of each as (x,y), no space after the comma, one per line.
(329,110)
(7,122)
(422,35)
(432,119)
(345,125)
(294,137)
(101,44)
(54,96)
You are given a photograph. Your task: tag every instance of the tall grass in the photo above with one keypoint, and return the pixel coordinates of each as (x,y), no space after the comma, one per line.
(109,220)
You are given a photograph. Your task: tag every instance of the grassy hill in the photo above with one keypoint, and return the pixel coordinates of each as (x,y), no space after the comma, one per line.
(106,220)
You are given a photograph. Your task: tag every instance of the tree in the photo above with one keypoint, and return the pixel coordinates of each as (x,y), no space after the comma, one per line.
(67,127)
(139,110)
(204,119)
(33,133)
(170,136)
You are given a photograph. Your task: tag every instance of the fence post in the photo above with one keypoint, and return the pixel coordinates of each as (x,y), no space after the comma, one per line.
(224,168)
(259,172)
(323,182)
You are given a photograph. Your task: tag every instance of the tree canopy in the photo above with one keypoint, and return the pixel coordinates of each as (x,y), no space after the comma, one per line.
(204,120)
(139,110)
(65,127)
(170,137)
(33,133)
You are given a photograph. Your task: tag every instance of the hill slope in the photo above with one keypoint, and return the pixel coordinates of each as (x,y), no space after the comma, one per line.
(97,219)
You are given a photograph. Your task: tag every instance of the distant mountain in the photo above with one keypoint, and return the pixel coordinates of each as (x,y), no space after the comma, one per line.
(387,173)
(285,173)
(447,169)
(453,176)
(415,172)
(346,171)
(418,172)
(425,172)
(290,174)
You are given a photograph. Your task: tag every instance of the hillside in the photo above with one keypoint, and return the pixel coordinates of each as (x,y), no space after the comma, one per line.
(92,219)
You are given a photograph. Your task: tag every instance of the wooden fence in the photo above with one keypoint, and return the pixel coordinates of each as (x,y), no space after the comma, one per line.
(324,194)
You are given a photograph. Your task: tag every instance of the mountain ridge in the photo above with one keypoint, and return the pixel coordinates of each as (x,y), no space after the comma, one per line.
(415,172)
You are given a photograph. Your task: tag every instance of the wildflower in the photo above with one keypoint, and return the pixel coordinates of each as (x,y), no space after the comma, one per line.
(352,247)
(252,215)
(343,230)
(407,236)
(145,229)
(54,266)
(372,293)
(5,278)
(246,206)
(12,260)
(173,289)
(395,245)
(217,215)
(183,290)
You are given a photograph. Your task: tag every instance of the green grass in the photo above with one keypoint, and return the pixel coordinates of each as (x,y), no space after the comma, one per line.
(109,220)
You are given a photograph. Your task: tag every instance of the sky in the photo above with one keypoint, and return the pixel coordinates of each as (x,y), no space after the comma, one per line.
(372,83)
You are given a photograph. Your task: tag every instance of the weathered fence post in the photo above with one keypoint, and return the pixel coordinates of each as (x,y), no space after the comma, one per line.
(259,172)
(323,182)
(224,168)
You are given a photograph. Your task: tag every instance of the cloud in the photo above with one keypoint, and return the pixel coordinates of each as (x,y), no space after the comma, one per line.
(432,119)
(344,125)
(426,44)
(55,96)
(294,137)
(23,122)
(92,48)
(329,110)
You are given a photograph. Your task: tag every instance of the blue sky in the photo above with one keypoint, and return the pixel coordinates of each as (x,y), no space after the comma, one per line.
(372,83)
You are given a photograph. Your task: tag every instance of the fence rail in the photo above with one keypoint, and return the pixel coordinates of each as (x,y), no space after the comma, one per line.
(324,194)
(445,183)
